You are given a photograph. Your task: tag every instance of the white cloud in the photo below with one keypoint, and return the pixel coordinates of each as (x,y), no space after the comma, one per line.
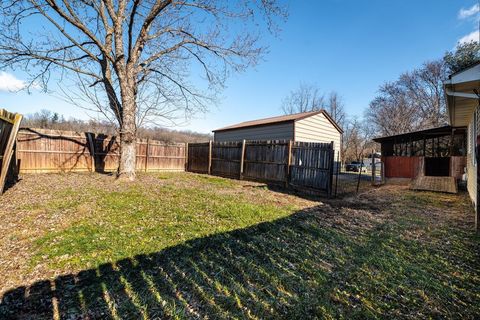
(8,82)
(472,36)
(470,12)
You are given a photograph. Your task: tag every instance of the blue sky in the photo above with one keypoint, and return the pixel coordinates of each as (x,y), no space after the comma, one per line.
(351,47)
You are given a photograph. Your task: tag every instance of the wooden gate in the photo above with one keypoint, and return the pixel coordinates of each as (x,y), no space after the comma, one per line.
(266,161)
(199,157)
(226,158)
(312,165)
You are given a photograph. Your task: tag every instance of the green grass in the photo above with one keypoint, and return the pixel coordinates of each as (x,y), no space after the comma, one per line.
(138,221)
(191,246)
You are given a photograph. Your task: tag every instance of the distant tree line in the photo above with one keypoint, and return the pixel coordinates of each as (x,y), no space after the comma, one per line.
(46,119)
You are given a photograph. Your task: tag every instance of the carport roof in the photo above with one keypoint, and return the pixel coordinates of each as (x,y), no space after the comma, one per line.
(432,132)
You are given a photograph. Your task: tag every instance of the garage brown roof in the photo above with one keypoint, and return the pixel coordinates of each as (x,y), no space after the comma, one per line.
(278,119)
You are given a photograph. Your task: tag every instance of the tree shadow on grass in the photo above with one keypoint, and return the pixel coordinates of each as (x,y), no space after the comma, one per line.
(260,271)
(307,194)
(345,185)
(288,268)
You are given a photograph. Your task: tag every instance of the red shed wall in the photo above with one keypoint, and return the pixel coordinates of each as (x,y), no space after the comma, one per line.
(402,167)
(409,167)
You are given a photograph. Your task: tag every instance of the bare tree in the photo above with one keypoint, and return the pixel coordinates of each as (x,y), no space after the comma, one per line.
(135,56)
(356,139)
(336,108)
(305,98)
(424,90)
(392,111)
(416,100)
(308,97)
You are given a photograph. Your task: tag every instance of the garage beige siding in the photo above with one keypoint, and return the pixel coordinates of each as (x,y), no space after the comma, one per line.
(276,131)
(317,128)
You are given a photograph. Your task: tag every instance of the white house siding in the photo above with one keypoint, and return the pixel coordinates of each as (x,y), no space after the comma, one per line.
(276,131)
(318,128)
(473,131)
(471,179)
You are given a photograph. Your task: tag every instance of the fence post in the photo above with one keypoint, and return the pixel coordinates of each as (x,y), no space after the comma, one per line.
(210,157)
(92,150)
(289,163)
(382,171)
(16,164)
(360,172)
(242,159)
(146,154)
(373,168)
(336,173)
(332,161)
(186,157)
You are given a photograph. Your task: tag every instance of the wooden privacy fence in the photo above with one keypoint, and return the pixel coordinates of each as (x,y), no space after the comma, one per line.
(42,150)
(198,157)
(9,125)
(299,164)
(312,165)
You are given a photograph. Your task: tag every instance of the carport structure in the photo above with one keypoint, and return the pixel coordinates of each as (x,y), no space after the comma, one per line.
(437,152)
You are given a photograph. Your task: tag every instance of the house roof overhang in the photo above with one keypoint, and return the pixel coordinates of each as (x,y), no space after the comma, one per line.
(462,91)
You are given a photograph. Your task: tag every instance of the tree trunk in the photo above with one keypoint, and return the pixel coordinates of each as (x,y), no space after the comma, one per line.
(128,136)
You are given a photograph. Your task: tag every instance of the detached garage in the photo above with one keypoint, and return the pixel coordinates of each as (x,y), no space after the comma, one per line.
(315,126)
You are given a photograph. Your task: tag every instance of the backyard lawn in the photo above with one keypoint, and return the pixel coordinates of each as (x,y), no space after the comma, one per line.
(182,245)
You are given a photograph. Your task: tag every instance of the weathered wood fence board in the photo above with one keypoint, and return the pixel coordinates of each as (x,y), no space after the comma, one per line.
(9,125)
(266,160)
(42,150)
(198,155)
(300,164)
(49,150)
(165,157)
(226,157)
(106,152)
(312,165)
